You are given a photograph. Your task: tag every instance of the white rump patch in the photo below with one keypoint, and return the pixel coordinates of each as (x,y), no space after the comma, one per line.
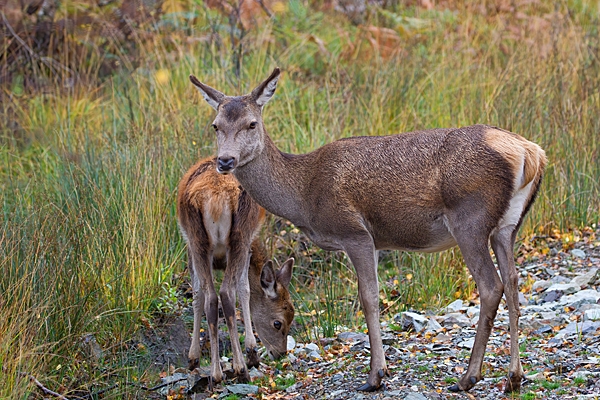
(516,206)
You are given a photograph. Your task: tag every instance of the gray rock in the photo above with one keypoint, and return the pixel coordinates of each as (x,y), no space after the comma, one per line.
(543,285)
(242,389)
(256,374)
(467,344)
(415,396)
(335,394)
(433,326)
(456,319)
(588,296)
(414,321)
(314,356)
(584,328)
(291,343)
(312,347)
(455,306)
(578,253)
(566,288)
(300,352)
(352,337)
(591,315)
(473,311)
(586,279)
(522,299)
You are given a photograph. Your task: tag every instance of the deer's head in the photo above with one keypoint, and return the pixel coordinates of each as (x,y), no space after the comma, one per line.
(238,124)
(272,308)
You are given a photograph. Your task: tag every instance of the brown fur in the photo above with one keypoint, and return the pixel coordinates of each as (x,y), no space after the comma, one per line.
(424,191)
(220,223)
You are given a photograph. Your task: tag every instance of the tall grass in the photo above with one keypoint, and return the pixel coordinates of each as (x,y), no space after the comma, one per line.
(88,234)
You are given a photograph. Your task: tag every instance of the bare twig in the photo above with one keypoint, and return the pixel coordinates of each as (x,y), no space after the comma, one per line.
(43,388)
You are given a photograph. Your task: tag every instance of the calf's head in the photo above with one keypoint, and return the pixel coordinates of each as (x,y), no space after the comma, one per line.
(272,308)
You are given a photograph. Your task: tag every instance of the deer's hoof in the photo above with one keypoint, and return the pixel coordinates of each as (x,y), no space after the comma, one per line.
(369,387)
(513,383)
(252,358)
(464,384)
(193,364)
(243,376)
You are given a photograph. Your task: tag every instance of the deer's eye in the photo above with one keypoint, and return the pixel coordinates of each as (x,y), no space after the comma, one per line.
(277,325)
(215,127)
(252,125)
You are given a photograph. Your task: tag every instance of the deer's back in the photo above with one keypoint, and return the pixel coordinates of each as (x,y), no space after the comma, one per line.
(400,187)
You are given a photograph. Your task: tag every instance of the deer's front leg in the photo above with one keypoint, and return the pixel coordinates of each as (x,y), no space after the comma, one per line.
(364,257)
(198,308)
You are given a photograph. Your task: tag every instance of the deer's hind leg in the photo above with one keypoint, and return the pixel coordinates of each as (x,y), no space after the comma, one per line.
(472,238)
(198,308)
(202,263)
(237,261)
(243,289)
(503,241)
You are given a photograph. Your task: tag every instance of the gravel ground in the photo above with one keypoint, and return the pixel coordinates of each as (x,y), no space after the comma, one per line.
(559,337)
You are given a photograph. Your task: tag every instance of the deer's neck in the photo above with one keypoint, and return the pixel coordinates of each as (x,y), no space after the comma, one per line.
(276,181)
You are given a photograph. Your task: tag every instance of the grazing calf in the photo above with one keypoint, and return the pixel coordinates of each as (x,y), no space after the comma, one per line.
(420,191)
(219,222)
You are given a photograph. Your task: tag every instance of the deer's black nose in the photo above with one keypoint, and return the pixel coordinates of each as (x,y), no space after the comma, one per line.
(225,164)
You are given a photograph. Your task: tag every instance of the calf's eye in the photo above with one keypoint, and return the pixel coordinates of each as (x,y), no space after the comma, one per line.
(277,325)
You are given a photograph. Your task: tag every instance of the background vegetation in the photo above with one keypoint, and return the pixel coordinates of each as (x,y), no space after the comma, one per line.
(99,122)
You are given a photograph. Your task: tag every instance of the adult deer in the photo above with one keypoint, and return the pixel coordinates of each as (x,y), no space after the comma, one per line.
(419,191)
(220,221)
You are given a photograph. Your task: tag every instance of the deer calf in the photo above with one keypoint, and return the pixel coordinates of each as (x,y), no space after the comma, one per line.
(419,191)
(219,222)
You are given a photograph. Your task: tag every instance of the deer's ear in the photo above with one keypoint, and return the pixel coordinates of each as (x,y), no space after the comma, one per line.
(212,96)
(268,280)
(284,275)
(263,92)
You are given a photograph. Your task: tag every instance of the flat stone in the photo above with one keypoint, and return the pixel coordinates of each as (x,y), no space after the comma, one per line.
(256,374)
(591,315)
(433,326)
(540,285)
(456,319)
(587,296)
(455,306)
(242,389)
(586,279)
(291,343)
(578,253)
(566,288)
(473,311)
(583,328)
(352,337)
(314,356)
(542,330)
(522,300)
(414,321)
(312,347)
(552,296)
(415,396)
(467,344)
